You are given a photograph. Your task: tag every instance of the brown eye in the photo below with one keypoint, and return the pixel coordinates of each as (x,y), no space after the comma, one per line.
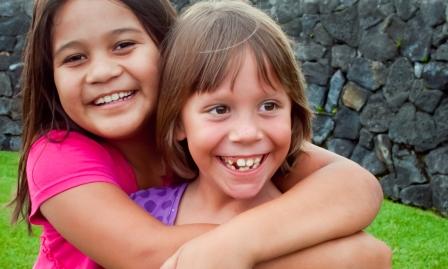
(269,106)
(219,110)
(74,58)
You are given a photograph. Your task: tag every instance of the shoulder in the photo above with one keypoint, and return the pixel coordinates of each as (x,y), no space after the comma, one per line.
(161,202)
(61,160)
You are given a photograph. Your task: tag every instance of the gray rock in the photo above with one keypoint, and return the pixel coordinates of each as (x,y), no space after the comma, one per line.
(432,11)
(376,115)
(309,51)
(416,41)
(377,46)
(417,195)
(406,8)
(343,26)
(7,60)
(386,7)
(5,85)
(5,106)
(285,10)
(368,160)
(16,25)
(423,98)
(439,187)
(342,56)
(7,43)
(366,73)
(440,34)
(310,6)
(16,109)
(9,8)
(316,73)
(322,127)
(391,187)
(408,169)
(7,126)
(347,124)
(354,96)
(396,29)
(14,143)
(414,128)
(437,161)
(365,138)
(316,97)
(369,14)
(418,70)
(399,82)
(435,75)
(328,6)
(383,150)
(336,83)
(342,147)
(293,27)
(321,35)
(441,53)
(308,23)
(441,120)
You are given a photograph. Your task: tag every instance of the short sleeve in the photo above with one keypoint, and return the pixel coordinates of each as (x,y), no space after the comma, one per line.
(54,167)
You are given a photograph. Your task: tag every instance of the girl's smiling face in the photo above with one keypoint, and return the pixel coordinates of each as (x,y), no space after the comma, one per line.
(239,134)
(105,67)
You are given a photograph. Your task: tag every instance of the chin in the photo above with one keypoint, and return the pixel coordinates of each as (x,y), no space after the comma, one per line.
(243,192)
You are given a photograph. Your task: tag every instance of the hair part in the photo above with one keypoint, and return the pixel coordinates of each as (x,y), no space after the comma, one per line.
(207,44)
(41,109)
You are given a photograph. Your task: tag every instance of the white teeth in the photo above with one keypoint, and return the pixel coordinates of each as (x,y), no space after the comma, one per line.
(112,97)
(242,164)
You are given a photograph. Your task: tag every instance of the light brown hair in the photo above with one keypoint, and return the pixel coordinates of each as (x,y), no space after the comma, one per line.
(206,44)
(42,111)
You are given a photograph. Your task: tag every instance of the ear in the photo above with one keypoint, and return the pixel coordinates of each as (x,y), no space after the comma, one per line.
(179,132)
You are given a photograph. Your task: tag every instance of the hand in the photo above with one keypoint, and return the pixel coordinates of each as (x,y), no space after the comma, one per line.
(209,252)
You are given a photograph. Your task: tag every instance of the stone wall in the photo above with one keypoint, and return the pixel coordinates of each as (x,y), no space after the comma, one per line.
(377,73)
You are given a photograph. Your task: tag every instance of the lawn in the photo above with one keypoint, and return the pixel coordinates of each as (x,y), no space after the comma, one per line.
(419,239)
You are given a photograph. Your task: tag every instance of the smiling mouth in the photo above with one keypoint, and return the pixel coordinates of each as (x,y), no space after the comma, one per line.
(243,164)
(114,97)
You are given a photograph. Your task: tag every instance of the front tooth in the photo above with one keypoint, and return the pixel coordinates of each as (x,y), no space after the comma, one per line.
(115,97)
(99,101)
(107,99)
(241,162)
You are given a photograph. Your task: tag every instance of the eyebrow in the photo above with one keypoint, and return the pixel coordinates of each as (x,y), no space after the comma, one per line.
(114,32)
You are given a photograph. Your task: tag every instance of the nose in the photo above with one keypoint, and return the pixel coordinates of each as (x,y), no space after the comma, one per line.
(102,70)
(246,130)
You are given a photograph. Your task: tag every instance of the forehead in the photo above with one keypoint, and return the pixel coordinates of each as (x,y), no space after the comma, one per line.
(244,64)
(87,19)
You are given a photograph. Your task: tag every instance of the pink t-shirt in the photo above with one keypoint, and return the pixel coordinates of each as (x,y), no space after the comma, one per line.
(54,167)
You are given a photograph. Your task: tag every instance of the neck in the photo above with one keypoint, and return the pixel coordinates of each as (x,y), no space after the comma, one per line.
(216,206)
(141,152)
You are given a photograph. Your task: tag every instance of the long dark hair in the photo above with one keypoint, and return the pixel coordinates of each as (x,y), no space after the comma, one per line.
(42,111)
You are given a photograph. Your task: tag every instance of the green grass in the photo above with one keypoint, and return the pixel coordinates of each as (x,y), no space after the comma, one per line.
(419,239)
(17,249)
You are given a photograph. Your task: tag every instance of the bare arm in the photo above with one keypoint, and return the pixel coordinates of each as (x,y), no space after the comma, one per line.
(329,197)
(101,221)
(359,250)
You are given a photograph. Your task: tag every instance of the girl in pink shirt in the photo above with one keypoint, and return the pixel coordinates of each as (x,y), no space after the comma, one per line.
(90,88)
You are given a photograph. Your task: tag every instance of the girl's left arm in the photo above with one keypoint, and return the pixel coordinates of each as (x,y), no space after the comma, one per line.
(327,197)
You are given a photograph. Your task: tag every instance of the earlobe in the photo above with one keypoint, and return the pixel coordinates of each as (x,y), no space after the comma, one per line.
(180,132)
